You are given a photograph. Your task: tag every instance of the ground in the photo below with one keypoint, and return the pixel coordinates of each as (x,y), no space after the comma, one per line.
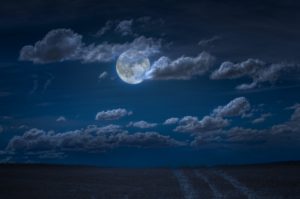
(280,180)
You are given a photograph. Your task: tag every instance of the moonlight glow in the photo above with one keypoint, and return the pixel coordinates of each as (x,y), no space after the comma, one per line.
(132,66)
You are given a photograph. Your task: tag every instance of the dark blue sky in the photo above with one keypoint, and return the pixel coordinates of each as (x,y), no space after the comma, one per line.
(223,85)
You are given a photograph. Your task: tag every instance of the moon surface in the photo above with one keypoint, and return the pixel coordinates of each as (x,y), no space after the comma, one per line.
(131,66)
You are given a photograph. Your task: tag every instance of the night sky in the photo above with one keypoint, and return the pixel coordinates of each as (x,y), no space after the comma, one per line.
(222,86)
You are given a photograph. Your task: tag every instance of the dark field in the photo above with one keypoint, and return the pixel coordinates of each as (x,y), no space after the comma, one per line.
(70,182)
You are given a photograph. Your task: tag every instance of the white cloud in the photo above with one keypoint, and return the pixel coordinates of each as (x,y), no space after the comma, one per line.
(103,75)
(107,52)
(124,27)
(256,69)
(215,122)
(205,42)
(89,139)
(64,44)
(236,107)
(57,45)
(183,68)
(142,124)
(172,120)
(61,119)
(191,124)
(108,25)
(113,114)
(288,130)
(262,118)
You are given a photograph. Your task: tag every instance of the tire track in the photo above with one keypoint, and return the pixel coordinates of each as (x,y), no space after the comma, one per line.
(186,187)
(237,184)
(216,193)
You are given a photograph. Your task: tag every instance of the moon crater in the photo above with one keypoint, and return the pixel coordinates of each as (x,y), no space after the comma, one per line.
(131,66)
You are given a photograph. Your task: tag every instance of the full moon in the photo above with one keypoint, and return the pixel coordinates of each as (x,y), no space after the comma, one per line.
(131,66)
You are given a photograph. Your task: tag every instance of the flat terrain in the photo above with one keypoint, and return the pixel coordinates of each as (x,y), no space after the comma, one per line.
(70,182)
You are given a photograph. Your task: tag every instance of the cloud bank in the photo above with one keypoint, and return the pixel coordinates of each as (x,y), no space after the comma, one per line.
(90,139)
(259,71)
(64,44)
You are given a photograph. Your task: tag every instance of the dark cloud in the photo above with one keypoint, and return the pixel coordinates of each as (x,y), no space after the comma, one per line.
(183,68)
(113,114)
(236,107)
(256,69)
(58,45)
(64,44)
(233,135)
(142,124)
(90,139)
(172,120)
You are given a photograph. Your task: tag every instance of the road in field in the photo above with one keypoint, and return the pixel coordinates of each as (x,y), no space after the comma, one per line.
(187,189)
(220,185)
(216,193)
(238,185)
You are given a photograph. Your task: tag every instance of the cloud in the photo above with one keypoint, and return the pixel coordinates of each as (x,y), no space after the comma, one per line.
(113,114)
(296,115)
(192,125)
(256,69)
(107,52)
(233,135)
(103,75)
(58,45)
(172,120)
(262,118)
(124,27)
(34,86)
(236,107)
(215,121)
(288,130)
(108,25)
(229,70)
(64,44)
(205,42)
(48,82)
(61,119)
(183,68)
(111,128)
(90,139)
(142,124)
